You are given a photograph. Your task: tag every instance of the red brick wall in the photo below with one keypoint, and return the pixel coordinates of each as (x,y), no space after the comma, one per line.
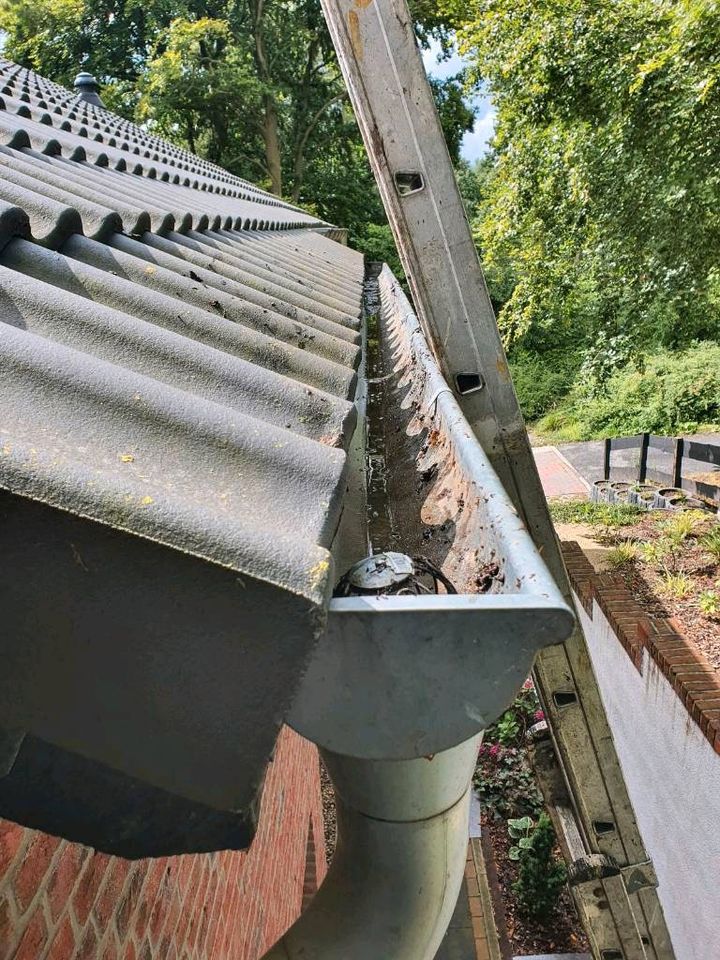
(63,901)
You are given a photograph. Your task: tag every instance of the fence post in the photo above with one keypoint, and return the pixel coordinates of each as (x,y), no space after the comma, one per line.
(644,445)
(677,462)
(608,451)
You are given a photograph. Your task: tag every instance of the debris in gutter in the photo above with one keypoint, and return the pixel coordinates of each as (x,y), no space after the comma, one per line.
(393,574)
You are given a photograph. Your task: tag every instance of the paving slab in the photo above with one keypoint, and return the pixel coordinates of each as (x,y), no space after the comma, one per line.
(559,478)
(459,941)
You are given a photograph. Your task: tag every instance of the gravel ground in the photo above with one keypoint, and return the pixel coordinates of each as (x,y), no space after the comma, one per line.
(329,818)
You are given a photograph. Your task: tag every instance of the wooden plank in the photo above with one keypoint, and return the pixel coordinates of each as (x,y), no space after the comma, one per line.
(662,443)
(644,445)
(704,452)
(677,462)
(626,443)
(660,477)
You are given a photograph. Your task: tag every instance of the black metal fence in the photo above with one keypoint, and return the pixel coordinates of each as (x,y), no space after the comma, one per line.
(680,450)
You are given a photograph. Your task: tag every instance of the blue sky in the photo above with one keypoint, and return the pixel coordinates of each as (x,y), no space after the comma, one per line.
(474,144)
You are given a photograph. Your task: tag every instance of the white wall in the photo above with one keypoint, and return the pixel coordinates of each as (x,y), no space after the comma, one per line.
(673,776)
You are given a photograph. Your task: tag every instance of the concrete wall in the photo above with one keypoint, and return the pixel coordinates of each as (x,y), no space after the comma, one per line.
(673,776)
(63,901)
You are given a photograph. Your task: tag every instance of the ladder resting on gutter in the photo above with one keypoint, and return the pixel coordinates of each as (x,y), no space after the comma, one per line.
(613,882)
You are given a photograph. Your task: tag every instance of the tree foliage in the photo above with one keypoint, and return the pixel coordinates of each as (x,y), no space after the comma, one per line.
(600,215)
(252,85)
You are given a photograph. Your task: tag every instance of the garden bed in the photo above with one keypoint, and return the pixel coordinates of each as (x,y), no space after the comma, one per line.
(669,561)
(561,932)
(536,910)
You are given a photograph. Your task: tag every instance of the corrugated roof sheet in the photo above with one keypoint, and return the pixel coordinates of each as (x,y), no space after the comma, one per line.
(177,353)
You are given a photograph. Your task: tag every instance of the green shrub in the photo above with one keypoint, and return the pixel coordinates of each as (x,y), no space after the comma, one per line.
(519,830)
(541,380)
(623,554)
(709,603)
(676,392)
(541,877)
(675,585)
(508,728)
(711,542)
(505,783)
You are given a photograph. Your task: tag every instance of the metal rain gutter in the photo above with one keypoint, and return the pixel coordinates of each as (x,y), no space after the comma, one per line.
(400,688)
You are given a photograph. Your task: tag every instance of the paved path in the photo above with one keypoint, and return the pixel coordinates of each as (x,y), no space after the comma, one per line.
(558,477)
(471,934)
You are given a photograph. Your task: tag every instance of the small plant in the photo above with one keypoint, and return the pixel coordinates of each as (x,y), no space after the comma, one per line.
(623,554)
(675,585)
(656,552)
(505,784)
(709,603)
(711,542)
(686,523)
(507,729)
(519,830)
(607,515)
(541,876)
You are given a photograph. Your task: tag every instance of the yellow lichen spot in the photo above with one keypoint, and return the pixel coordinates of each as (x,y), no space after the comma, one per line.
(126,458)
(150,270)
(146,501)
(319,572)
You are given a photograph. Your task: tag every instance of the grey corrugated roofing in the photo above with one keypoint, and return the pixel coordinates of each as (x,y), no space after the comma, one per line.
(177,357)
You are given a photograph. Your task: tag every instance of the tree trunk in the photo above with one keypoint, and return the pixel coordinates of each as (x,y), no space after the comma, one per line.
(300,161)
(271,137)
(299,176)
(270,126)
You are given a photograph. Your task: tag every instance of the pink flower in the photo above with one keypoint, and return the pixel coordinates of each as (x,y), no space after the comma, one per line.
(538,716)
(528,685)
(494,751)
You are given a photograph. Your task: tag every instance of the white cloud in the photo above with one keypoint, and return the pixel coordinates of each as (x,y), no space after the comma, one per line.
(475,143)
(442,68)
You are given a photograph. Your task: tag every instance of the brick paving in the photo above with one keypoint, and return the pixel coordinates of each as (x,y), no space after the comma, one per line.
(558,477)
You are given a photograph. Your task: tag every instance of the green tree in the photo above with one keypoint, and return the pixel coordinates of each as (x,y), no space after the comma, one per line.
(600,214)
(252,85)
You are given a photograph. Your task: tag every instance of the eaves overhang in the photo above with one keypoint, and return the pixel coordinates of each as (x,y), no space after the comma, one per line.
(178,365)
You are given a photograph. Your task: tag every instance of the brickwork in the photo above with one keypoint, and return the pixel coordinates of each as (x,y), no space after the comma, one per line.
(63,901)
(558,477)
(694,680)
(485,935)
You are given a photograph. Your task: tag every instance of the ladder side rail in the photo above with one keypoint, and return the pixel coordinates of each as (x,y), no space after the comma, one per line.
(383,70)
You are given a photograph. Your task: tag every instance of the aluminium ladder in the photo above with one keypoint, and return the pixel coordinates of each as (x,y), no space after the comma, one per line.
(611,876)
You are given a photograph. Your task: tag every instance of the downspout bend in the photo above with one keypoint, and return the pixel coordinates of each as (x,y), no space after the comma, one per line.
(399,861)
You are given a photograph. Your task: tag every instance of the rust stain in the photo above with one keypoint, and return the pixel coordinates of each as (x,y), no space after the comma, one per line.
(363,3)
(355,37)
(502,368)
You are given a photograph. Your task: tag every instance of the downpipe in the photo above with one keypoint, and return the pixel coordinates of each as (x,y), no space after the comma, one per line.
(399,861)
